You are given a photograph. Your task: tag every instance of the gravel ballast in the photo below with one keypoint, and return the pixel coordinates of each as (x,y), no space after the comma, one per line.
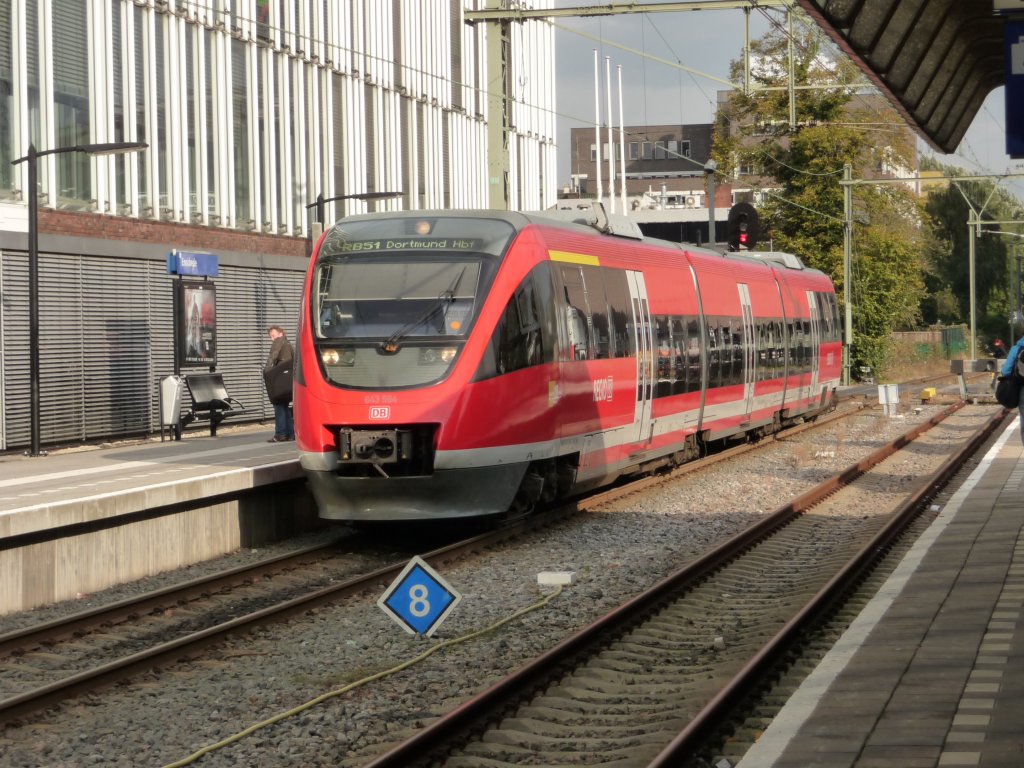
(614,553)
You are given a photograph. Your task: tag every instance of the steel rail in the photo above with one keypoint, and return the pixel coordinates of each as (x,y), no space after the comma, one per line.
(716,712)
(537,672)
(188,646)
(28,638)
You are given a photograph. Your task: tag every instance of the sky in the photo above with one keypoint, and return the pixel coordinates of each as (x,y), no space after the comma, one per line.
(706,41)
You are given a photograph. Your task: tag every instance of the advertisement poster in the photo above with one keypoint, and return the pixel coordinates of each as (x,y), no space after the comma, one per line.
(197,323)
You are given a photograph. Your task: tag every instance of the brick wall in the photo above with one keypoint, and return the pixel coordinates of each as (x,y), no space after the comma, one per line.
(72,223)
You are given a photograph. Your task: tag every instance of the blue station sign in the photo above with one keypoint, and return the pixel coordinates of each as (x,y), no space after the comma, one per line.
(193,263)
(419,599)
(1013,44)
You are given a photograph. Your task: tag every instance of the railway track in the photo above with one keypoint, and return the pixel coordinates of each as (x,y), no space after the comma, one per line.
(653,682)
(51,662)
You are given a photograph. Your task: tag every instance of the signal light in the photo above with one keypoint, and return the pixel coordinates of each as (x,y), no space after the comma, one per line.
(743,228)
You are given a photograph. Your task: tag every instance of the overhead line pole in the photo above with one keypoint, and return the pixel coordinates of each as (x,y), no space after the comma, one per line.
(973,223)
(847,271)
(499,14)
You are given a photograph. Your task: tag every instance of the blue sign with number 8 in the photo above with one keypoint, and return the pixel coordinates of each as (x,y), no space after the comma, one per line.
(419,599)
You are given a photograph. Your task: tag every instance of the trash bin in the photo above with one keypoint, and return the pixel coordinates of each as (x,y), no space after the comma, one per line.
(171,388)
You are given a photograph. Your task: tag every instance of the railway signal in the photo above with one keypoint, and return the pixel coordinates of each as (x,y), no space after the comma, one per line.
(743,227)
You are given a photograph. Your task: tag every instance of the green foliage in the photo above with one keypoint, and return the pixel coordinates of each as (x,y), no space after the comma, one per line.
(947,255)
(802,165)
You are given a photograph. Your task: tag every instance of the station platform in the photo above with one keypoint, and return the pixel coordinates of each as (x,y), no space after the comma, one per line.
(80,520)
(931,673)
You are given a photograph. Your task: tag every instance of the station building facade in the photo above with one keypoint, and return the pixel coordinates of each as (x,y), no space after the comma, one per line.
(251,109)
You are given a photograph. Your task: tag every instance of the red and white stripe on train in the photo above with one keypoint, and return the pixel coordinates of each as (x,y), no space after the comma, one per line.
(456,364)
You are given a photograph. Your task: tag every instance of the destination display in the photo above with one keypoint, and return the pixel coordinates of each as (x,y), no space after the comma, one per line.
(408,244)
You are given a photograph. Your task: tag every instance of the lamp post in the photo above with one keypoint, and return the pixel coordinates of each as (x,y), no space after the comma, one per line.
(321,201)
(710,168)
(114,148)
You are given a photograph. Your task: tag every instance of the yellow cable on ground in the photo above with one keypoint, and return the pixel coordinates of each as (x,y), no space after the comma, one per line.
(345,689)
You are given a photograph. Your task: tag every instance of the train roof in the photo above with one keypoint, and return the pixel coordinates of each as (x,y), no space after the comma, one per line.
(585,217)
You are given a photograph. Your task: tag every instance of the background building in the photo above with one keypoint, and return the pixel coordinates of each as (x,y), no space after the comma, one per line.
(656,157)
(251,109)
(666,185)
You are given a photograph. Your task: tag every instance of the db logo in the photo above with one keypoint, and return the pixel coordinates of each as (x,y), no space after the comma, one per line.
(379,412)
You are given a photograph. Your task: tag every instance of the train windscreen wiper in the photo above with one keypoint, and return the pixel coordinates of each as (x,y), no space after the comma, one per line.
(391,345)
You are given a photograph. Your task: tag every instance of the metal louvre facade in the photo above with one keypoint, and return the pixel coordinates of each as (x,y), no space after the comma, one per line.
(106,341)
(251,108)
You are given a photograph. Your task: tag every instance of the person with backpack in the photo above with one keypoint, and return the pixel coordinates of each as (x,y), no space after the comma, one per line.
(1015,367)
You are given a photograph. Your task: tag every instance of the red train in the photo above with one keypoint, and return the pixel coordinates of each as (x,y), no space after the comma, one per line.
(455,364)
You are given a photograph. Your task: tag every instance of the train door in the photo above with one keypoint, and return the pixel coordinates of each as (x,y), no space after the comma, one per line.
(749,349)
(643,340)
(815,340)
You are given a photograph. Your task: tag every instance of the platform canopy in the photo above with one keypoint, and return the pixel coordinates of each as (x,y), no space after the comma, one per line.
(936,60)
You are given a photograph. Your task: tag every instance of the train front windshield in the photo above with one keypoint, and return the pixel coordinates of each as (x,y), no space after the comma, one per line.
(395,299)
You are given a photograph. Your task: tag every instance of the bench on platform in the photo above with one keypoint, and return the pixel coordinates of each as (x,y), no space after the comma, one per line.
(210,400)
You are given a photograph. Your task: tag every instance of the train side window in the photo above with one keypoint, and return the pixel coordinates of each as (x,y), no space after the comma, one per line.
(693,362)
(808,346)
(797,348)
(663,342)
(525,333)
(678,354)
(761,363)
(778,348)
(714,353)
(577,313)
(726,356)
(593,284)
(620,310)
(819,310)
(739,359)
(791,350)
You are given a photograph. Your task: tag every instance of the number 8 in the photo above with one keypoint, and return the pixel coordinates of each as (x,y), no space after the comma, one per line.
(419,606)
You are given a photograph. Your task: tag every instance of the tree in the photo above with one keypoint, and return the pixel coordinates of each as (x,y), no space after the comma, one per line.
(800,166)
(947,255)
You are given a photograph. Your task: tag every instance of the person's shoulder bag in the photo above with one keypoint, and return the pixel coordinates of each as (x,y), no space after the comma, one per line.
(1008,387)
(278,380)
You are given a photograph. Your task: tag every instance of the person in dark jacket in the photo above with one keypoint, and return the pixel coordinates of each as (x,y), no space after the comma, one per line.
(1009,369)
(277,374)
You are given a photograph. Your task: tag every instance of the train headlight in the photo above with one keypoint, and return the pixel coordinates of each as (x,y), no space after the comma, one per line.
(431,355)
(345,357)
